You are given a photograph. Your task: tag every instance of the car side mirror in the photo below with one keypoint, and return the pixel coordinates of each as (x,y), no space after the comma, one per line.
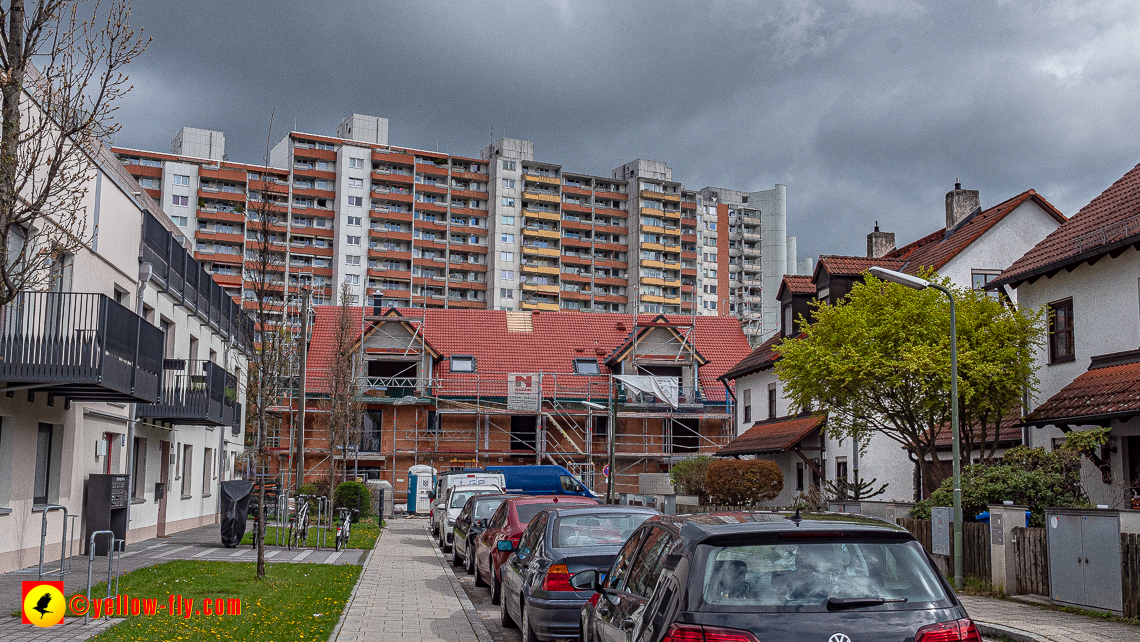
(585,581)
(505,545)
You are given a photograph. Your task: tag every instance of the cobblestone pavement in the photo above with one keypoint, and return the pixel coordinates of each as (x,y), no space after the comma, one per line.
(199,543)
(408,592)
(1047,624)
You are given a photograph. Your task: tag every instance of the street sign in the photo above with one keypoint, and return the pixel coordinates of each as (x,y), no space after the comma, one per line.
(606,471)
(523,392)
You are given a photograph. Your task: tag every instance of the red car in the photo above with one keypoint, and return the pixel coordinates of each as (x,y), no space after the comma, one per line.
(507,524)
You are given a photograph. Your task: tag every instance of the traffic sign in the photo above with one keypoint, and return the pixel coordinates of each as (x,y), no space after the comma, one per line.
(606,471)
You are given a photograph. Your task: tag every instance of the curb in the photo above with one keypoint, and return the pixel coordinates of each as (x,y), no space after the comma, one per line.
(477,626)
(352,598)
(1017,635)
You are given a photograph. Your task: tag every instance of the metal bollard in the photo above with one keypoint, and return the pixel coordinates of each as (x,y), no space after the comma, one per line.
(91,564)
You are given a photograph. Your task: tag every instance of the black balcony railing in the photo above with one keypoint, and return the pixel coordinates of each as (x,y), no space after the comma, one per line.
(79,346)
(199,393)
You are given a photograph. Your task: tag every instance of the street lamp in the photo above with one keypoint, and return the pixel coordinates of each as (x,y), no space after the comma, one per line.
(921,284)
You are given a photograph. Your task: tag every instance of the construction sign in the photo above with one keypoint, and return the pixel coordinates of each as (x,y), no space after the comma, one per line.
(523,392)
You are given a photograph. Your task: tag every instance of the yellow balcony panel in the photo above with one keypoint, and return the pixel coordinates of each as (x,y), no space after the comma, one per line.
(650,281)
(645,227)
(546,234)
(546,307)
(540,251)
(661,196)
(543,198)
(672,300)
(676,214)
(649,298)
(547,288)
(672,284)
(652,264)
(653,246)
(545,180)
(672,248)
(539,269)
(546,216)
(649,211)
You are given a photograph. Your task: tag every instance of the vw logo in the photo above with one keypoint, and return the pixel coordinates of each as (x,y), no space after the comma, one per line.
(838,637)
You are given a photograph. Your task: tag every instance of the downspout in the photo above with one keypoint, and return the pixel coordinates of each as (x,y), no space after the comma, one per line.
(222,433)
(145,271)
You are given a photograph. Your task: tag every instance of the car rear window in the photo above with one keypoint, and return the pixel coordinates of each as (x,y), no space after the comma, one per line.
(805,575)
(526,512)
(459,498)
(487,507)
(609,529)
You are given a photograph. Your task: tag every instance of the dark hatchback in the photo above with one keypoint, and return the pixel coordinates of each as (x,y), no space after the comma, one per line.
(744,577)
(471,521)
(557,544)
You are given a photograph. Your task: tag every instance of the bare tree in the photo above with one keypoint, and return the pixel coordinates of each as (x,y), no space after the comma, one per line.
(56,114)
(266,239)
(343,411)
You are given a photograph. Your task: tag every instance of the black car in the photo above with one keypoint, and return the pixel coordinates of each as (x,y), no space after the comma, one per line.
(468,524)
(558,543)
(744,577)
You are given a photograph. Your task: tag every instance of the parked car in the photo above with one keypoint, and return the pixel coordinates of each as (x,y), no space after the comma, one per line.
(471,521)
(507,524)
(449,478)
(744,577)
(559,543)
(541,479)
(453,502)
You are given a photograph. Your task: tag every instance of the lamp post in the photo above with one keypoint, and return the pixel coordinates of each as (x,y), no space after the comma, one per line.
(921,284)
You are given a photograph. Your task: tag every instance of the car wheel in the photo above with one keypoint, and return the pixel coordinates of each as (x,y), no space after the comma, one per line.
(505,619)
(527,632)
(469,562)
(456,560)
(496,591)
(583,630)
(478,574)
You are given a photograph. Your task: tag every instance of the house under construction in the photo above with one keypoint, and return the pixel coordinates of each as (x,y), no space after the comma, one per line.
(456,388)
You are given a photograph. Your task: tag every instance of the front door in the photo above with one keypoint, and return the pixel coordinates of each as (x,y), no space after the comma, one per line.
(163,479)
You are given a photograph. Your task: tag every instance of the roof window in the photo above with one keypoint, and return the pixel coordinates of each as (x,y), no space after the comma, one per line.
(586,366)
(462,363)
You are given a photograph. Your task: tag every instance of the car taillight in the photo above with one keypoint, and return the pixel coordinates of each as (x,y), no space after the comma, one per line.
(696,633)
(557,578)
(957,631)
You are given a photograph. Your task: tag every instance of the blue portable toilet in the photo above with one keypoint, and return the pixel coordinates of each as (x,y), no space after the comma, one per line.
(421,481)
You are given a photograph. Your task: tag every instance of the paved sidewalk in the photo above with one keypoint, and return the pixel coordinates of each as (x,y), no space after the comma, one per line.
(407,592)
(1047,624)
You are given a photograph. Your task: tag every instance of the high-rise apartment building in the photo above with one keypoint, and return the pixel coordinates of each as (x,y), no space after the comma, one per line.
(407,227)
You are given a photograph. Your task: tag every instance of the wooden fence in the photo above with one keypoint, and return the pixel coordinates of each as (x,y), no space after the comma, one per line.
(975,547)
(1130,573)
(1032,561)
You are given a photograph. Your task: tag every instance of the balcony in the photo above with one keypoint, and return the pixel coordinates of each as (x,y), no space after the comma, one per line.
(543,196)
(197,393)
(79,346)
(545,179)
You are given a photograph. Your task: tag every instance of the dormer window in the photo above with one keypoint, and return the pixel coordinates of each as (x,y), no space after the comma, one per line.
(462,363)
(586,366)
(788,331)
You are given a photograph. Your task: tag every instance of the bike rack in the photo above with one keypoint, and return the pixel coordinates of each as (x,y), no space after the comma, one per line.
(111,549)
(64,553)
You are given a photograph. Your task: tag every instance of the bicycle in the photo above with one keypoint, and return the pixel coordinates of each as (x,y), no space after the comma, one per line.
(344,529)
(299,522)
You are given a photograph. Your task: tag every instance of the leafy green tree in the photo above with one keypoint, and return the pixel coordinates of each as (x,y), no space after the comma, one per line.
(878,361)
(690,476)
(740,482)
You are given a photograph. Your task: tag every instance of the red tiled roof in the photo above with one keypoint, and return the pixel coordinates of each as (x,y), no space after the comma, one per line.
(558,338)
(773,435)
(936,249)
(759,359)
(1108,219)
(852,265)
(796,284)
(1009,430)
(1109,389)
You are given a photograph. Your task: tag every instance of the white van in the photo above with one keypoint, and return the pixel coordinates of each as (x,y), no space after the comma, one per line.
(453,502)
(447,479)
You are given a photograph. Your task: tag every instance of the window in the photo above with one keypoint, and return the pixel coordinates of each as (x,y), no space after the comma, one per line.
(507,275)
(45,468)
(507,294)
(356,182)
(508,201)
(507,256)
(620,569)
(532,536)
(509,183)
(1061,331)
(352,279)
(981,278)
(355,163)
(355,201)
(187,460)
(646,570)
(788,326)
(354,220)
(181,179)
(207,471)
(771,401)
(180,201)
(462,363)
(509,165)
(352,240)
(586,366)
(841,468)
(508,238)
(746,403)
(350,259)
(799,475)
(508,220)
(139,471)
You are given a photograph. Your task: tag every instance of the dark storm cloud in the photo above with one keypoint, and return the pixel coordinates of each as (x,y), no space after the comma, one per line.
(866,109)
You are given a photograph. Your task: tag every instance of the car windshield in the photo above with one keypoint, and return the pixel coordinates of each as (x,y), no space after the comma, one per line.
(527,511)
(460,497)
(800,576)
(486,508)
(606,529)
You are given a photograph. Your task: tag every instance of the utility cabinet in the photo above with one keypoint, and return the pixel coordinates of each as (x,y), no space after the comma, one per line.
(107,500)
(1084,556)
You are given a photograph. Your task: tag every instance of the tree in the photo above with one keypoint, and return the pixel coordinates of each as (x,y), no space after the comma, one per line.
(878,361)
(56,113)
(689,476)
(739,482)
(343,412)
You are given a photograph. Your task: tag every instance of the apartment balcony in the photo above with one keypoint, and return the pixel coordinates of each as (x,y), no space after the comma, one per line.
(545,179)
(79,346)
(541,233)
(661,196)
(545,288)
(542,196)
(750,236)
(534,305)
(538,269)
(194,392)
(751,267)
(750,221)
(540,251)
(539,214)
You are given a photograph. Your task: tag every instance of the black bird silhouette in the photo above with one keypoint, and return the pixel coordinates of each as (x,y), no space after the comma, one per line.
(42,605)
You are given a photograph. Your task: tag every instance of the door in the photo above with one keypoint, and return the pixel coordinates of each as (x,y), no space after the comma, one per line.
(163,480)
(631,616)
(607,612)
(1101,572)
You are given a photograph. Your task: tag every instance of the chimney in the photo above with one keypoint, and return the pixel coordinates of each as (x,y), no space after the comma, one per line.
(961,204)
(879,243)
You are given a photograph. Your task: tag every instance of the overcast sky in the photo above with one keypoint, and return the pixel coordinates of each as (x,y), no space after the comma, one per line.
(867,109)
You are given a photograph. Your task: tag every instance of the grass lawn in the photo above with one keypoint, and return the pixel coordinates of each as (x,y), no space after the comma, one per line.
(293,602)
(363,535)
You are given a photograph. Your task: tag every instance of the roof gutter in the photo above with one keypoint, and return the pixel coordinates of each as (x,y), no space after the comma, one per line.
(1082,420)
(1016,280)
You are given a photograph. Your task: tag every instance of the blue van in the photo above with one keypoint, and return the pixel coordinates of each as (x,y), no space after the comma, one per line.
(546,479)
